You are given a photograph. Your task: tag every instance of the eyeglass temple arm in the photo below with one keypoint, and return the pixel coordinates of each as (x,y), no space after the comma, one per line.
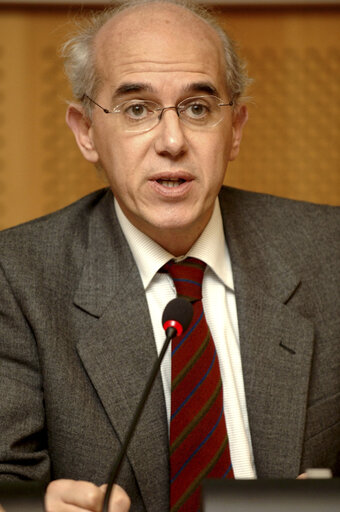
(230,104)
(88,97)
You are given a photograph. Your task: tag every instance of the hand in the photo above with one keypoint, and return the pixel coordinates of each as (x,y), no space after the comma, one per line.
(79,496)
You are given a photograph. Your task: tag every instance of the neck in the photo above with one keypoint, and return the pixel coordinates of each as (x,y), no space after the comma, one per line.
(176,242)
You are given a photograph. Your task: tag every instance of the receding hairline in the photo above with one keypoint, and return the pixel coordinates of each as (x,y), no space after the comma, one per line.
(119,23)
(126,9)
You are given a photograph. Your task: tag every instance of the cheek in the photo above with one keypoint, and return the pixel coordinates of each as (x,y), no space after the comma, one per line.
(112,153)
(123,162)
(225,149)
(215,154)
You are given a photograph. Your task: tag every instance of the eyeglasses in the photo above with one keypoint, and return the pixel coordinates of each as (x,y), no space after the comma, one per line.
(138,116)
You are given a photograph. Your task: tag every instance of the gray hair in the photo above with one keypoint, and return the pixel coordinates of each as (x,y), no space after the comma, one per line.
(80,63)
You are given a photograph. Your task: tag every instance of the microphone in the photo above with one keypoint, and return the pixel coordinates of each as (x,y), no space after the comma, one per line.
(176,318)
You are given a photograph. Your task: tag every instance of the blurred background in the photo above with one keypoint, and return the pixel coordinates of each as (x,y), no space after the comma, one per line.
(291,145)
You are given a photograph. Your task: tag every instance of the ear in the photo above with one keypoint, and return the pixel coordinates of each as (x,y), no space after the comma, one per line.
(240,117)
(82,130)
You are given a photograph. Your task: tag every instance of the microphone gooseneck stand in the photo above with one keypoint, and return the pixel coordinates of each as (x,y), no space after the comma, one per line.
(176,319)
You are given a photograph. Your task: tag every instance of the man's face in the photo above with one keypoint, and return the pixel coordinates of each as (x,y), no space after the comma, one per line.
(165,180)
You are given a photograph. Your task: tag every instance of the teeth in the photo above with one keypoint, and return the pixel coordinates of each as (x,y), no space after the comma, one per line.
(170,183)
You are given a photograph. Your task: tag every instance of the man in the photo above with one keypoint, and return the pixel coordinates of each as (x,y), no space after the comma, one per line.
(82,292)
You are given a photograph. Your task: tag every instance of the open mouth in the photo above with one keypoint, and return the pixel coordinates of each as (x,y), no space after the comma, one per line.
(171,183)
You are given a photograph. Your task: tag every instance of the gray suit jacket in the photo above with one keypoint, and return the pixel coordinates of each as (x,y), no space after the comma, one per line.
(76,344)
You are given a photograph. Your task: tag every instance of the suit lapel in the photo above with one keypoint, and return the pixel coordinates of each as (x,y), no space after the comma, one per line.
(276,342)
(119,351)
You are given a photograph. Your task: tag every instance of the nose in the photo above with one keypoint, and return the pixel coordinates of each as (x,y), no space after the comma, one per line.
(170,139)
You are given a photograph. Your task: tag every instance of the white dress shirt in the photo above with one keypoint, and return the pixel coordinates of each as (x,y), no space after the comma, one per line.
(220,310)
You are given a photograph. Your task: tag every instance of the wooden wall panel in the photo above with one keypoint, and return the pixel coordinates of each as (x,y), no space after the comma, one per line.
(291,143)
(42,166)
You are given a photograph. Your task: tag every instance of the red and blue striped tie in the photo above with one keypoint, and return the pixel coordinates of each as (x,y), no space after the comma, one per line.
(198,437)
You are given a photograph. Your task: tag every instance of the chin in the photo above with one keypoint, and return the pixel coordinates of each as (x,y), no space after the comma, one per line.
(173,223)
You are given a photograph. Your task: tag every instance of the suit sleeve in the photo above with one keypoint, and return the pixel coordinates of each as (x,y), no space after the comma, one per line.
(23,439)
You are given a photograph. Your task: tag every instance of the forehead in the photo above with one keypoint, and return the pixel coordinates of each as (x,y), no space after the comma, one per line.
(158,43)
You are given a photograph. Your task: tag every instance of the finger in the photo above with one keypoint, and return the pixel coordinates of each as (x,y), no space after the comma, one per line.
(119,499)
(67,507)
(302,476)
(73,496)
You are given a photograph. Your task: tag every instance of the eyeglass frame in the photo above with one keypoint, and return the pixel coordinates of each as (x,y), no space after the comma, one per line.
(162,109)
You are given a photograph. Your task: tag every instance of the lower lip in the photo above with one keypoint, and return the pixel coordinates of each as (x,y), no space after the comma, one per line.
(176,192)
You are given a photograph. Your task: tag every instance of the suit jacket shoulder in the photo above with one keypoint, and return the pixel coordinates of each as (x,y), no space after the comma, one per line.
(283,221)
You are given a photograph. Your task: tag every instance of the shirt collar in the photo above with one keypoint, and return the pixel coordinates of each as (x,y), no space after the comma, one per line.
(210,247)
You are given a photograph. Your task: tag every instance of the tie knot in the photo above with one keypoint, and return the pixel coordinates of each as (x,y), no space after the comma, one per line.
(187,276)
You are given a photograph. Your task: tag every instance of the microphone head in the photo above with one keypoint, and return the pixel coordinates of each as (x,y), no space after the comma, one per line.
(178,314)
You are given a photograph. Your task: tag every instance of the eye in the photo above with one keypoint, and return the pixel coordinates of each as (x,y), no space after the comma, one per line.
(137,110)
(196,110)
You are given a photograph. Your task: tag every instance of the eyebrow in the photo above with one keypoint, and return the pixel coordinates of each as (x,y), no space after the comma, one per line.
(205,87)
(138,87)
(128,88)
